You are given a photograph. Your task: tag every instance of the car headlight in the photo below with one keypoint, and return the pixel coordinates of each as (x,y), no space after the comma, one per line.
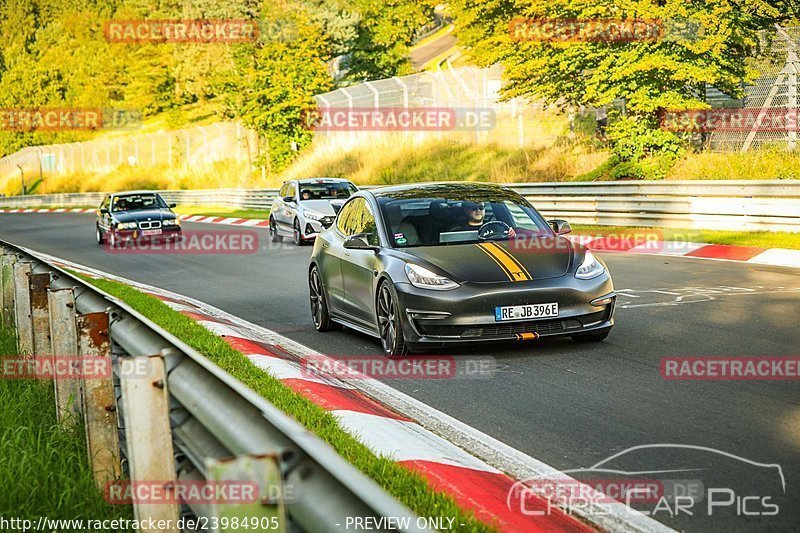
(590,268)
(127,225)
(171,222)
(311,215)
(423,278)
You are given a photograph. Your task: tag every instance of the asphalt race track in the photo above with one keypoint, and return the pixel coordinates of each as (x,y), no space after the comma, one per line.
(569,405)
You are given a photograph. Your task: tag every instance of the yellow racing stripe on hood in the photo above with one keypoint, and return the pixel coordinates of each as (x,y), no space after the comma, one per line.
(507,262)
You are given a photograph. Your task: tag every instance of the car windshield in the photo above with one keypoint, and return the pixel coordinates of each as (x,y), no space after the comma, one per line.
(326,191)
(445,221)
(137,202)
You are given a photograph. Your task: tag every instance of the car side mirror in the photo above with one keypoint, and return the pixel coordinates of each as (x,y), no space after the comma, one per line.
(359,241)
(288,199)
(561,227)
(103,211)
(173,204)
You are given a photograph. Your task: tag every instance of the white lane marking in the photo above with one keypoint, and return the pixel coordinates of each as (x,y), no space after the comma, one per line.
(402,440)
(229,220)
(778,257)
(613,516)
(686,295)
(251,222)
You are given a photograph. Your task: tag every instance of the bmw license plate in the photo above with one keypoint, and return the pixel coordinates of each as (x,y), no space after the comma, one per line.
(525,312)
(149,232)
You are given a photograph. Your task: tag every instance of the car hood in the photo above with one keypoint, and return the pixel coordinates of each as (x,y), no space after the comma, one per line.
(499,261)
(143,214)
(320,206)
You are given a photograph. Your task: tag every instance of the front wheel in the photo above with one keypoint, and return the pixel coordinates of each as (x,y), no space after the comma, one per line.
(389,323)
(591,337)
(273,231)
(319,306)
(99,235)
(298,235)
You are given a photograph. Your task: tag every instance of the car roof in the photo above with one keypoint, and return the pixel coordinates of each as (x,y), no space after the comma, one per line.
(321,180)
(130,193)
(438,189)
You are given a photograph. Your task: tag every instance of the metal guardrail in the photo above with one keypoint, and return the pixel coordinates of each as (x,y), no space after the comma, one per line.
(768,205)
(188,420)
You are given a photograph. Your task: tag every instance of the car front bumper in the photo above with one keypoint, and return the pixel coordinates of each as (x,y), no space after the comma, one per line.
(467,314)
(167,233)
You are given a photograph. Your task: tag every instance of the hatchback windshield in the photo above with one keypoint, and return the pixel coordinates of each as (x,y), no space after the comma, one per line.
(325,191)
(136,202)
(443,221)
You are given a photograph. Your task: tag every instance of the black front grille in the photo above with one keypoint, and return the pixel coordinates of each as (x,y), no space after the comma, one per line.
(327,221)
(542,327)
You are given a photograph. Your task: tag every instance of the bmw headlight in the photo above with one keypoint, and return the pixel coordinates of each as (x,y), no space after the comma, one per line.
(590,268)
(127,225)
(423,278)
(171,222)
(311,215)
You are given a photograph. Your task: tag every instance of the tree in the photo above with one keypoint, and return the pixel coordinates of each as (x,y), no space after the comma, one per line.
(702,43)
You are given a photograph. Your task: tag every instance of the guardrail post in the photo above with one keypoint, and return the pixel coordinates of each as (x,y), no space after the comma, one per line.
(99,406)
(267,509)
(64,340)
(145,409)
(7,275)
(40,317)
(22,307)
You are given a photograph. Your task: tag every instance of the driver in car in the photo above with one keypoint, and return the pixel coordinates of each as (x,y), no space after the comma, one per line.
(475,213)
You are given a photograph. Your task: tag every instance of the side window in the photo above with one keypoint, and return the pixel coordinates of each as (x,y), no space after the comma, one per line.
(356,217)
(106,202)
(282,192)
(292,190)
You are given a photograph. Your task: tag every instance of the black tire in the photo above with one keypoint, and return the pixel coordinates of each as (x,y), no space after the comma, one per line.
(319,305)
(298,236)
(591,337)
(390,322)
(98,235)
(273,231)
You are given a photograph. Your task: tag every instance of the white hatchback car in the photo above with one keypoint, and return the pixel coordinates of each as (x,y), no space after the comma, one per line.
(305,207)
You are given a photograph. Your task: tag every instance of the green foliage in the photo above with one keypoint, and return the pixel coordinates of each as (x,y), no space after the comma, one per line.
(703,44)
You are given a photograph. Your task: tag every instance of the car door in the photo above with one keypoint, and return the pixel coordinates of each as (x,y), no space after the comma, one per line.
(278,208)
(330,261)
(290,206)
(104,219)
(358,266)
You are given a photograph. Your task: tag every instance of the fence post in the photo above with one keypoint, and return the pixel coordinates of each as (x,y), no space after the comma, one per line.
(64,335)
(7,274)
(99,406)
(145,410)
(22,307)
(40,317)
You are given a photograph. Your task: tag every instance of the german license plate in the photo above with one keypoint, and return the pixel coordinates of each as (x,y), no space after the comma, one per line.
(525,312)
(149,232)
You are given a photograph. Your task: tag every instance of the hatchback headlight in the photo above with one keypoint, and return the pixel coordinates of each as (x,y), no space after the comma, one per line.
(311,215)
(127,225)
(590,268)
(172,222)
(423,278)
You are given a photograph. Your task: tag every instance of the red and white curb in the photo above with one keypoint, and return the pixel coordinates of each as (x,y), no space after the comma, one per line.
(721,252)
(699,250)
(475,469)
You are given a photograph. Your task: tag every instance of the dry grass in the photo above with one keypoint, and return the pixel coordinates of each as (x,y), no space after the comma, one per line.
(757,165)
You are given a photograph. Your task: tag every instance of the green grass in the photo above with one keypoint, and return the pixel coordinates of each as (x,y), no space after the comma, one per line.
(763,239)
(408,487)
(221,211)
(44,469)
